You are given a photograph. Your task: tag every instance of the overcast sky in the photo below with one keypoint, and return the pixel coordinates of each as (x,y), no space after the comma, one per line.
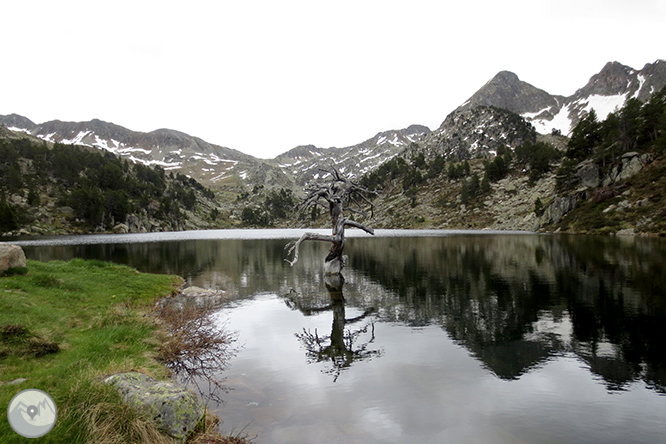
(265,76)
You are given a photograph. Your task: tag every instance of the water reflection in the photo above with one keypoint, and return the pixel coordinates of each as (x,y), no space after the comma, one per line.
(345,345)
(515,302)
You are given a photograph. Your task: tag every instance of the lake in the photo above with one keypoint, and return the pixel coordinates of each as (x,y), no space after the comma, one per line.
(433,337)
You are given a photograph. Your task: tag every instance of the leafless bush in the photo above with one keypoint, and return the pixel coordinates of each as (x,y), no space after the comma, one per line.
(195,347)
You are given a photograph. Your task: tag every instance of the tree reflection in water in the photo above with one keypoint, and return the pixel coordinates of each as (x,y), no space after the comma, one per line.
(344,345)
(515,302)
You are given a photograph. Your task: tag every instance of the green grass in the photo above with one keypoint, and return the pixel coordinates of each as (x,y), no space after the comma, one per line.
(65,326)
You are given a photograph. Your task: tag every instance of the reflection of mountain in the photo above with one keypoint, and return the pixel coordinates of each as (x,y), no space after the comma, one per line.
(515,301)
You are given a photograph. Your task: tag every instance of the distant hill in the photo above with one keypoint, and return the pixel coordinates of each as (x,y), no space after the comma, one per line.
(303,162)
(61,189)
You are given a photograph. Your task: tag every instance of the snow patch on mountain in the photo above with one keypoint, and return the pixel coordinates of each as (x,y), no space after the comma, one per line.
(604,105)
(561,122)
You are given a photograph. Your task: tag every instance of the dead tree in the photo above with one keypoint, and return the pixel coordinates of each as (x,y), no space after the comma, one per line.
(339,195)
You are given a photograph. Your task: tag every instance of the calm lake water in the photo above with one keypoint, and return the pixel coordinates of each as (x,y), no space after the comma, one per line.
(444,337)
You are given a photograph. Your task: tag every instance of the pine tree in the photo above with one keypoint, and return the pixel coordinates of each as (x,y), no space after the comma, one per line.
(585,137)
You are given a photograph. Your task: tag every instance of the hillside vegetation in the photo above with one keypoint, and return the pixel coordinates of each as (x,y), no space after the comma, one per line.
(607,177)
(65,189)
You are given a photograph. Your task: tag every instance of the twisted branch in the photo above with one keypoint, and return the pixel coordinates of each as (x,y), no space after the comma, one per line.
(294,245)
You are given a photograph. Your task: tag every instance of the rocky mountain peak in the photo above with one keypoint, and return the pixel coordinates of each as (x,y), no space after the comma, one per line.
(478,132)
(506,77)
(613,78)
(605,92)
(507,91)
(16,121)
(415,130)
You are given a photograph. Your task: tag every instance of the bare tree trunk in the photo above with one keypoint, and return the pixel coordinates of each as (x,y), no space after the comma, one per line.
(335,194)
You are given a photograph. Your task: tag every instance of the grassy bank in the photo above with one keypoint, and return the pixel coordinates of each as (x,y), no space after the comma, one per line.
(64,326)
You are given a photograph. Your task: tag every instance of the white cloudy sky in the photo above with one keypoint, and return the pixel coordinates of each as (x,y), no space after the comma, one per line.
(265,76)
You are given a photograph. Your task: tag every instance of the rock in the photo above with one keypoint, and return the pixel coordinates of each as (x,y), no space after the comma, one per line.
(627,232)
(611,178)
(121,229)
(11,256)
(629,155)
(173,408)
(198,291)
(134,224)
(557,209)
(632,164)
(588,174)
(67,211)
(630,168)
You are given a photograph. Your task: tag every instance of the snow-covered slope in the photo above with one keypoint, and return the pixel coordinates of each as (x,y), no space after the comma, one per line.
(304,162)
(606,92)
(169,149)
(214,165)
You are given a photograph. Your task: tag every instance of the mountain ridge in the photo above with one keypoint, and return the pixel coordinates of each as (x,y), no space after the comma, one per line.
(221,167)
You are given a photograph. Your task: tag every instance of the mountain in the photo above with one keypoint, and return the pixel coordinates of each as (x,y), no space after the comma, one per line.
(169,149)
(478,131)
(214,165)
(507,91)
(417,172)
(486,121)
(604,92)
(303,162)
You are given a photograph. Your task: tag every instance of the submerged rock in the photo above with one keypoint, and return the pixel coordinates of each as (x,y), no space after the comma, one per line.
(198,291)
(173,408)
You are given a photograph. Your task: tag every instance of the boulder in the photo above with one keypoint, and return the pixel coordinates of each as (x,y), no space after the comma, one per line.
(11,256)
(588,174)
(631,165)
(174,409)
(121,229)
(557,209)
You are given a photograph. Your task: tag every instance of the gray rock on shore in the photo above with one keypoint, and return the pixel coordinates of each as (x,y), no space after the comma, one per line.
(174,409)
(11,256)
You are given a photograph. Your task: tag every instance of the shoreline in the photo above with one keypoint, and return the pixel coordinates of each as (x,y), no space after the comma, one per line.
(67,326)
